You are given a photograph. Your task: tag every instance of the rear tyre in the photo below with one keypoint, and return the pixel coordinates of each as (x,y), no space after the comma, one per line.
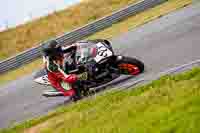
(130,66)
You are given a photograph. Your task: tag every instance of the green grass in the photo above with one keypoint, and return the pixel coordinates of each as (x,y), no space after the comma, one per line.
(108,33)
(167,105)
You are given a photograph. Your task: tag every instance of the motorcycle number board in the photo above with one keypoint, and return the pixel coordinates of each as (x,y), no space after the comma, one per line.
(103,52)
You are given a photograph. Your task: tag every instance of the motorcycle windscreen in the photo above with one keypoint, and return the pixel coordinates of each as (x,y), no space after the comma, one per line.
(89,52)
(85,53)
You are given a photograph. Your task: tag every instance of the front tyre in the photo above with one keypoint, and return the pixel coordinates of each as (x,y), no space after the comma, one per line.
(130,66)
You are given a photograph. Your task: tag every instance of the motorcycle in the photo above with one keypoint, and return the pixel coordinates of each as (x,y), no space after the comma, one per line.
(97,64)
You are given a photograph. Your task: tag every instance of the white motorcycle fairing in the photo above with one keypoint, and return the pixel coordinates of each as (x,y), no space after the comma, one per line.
(42,80)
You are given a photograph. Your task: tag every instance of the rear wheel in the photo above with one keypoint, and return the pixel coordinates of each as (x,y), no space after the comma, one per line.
(130,66)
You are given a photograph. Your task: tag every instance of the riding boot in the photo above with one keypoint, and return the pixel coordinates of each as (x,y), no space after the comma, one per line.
(77,89)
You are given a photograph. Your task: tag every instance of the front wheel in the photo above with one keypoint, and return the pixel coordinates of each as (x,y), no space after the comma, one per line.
(130,66)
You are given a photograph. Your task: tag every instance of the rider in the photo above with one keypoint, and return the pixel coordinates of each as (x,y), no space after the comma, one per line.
(55,67)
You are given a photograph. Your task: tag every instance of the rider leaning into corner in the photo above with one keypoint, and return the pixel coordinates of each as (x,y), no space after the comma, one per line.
(57,66)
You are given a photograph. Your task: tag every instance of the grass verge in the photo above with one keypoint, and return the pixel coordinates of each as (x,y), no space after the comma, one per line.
(108,33)
(170,104)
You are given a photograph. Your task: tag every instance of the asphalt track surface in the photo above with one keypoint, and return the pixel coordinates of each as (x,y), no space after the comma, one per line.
(167,42)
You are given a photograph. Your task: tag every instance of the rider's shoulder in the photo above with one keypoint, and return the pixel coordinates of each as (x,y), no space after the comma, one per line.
(65,47)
